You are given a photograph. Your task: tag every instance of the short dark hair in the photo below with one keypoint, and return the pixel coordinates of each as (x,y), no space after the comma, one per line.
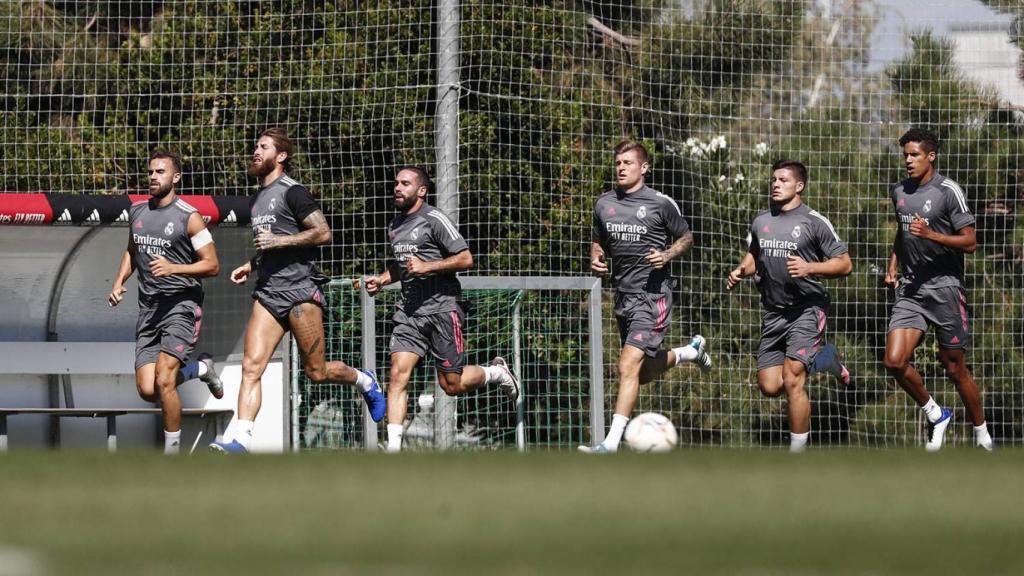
(174,157)
(628,146)
(421,175)
(281,142)
(796,167)
(929,141)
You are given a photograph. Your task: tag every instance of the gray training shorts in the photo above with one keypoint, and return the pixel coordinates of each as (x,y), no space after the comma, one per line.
(280,302)
(945,308)
(170,325)
(798,334)
(439,334)
(643,318)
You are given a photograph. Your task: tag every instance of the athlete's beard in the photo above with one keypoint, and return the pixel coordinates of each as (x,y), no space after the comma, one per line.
(163,191)
(258,171)
(405,204)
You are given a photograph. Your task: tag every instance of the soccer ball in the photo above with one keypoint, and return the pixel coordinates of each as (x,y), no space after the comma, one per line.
(651,432)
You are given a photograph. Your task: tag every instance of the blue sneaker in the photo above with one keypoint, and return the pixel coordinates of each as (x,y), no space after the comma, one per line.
(703,359)
(232,447)
(374,398)
(937,431)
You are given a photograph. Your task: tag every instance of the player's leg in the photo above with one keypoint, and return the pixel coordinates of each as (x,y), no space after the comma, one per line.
(827,358)
(794,378)
(447,346)
(402,365)
(147,348)
(262,335)
(899,349)
(145,382)
(771,353)
(769,380)
(955,363)
(651,317)
(630,360)
(166,372)
(635,318)
(203,367)
(949,305)
(306,321)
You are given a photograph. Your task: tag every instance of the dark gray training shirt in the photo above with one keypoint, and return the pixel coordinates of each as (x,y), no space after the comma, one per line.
(279,208)
(774,236)
(629,226)
(430,236)
(943,206)
(163,232)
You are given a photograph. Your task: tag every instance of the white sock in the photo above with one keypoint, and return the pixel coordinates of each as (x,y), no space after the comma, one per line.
(982,437)
(243,435)
(203,368)
(492,374)
(798,442)
(395,432)
(363,381)
(685,354)
(932,410)
(611,441)
(172,442)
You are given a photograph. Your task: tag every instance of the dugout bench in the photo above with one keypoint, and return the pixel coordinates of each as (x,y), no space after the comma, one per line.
(64,359)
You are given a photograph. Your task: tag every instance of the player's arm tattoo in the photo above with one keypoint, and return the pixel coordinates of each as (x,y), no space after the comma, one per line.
(315,232)
(680,246)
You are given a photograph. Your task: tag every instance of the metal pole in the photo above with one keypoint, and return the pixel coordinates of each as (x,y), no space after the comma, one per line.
(370,431)
(517,365)
(596,366)
(446,143)
(296,396)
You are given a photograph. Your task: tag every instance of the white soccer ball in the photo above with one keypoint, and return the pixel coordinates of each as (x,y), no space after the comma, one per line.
(651,432)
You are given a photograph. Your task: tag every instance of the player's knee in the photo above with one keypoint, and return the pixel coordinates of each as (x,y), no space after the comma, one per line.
(895,364)
(252,370)
(166,383)
(148,395)
(794,384)
(770,389)
(630,367)
(955,370)
(451,383)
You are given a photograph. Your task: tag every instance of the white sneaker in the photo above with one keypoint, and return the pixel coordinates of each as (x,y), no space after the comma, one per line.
(703,359)
(509,383)
(937,431)
(599,449)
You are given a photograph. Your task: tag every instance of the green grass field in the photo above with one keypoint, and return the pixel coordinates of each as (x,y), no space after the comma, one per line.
(690,512)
